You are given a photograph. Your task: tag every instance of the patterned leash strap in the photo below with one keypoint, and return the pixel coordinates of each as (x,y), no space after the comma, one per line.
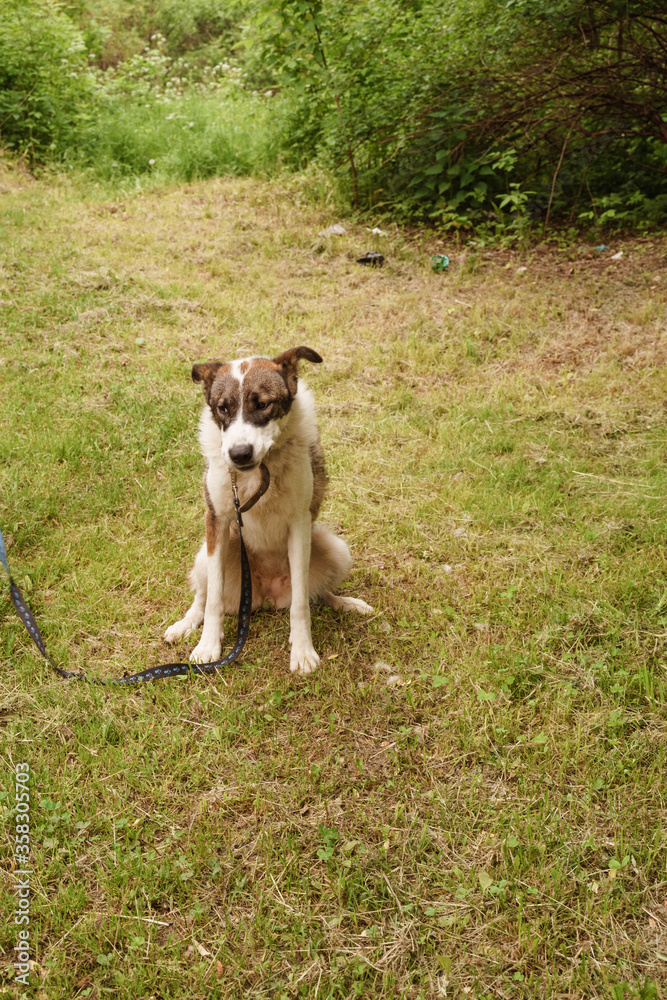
(165,669)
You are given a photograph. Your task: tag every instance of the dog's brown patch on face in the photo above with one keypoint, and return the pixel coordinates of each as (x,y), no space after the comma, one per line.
(266,395)
(224,397)
(319,478)
(221,389)
(206,372)
(264,392)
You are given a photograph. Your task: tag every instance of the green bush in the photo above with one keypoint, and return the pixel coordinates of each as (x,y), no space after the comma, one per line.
(151,115)
(493,114)
(206,31)
(45,88)
(478,111)
(209,29)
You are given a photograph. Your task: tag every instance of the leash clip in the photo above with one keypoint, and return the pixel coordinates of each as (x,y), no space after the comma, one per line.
(235,495)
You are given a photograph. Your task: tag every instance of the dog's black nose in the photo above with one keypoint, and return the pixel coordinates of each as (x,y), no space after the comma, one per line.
(241,454)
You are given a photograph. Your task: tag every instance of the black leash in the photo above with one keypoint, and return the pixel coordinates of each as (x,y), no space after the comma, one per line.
(165,669)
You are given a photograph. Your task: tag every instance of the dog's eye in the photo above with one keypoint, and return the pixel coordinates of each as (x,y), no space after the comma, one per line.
(223,410)
(263,405)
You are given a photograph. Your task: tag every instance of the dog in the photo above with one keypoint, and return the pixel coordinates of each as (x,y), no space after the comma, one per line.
(258,412)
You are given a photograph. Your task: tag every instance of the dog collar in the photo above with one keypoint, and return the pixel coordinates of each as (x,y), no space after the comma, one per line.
(257,495)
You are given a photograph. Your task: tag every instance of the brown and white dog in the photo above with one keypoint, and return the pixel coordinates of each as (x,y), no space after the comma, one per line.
(258,412)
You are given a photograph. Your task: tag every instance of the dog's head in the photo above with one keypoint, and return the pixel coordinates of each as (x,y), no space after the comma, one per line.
(250,401)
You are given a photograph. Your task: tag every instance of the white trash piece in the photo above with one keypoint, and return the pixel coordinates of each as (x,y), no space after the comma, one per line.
(335,230)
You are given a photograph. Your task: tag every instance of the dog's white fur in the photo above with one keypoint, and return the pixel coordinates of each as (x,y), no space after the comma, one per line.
(292,557)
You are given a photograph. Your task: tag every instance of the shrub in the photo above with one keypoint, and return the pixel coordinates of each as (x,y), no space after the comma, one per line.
(478,110)
(45,88)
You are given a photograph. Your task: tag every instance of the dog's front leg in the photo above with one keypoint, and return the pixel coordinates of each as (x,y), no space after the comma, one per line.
(209,647)
(303,657)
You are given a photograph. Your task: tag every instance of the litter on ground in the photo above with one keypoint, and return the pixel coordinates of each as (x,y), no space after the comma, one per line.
(335,230)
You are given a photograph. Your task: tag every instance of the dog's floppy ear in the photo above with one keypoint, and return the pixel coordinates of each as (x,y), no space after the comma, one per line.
(288,363)
(205,373)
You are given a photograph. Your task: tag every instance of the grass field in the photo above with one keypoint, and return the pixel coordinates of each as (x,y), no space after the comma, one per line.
(467,800)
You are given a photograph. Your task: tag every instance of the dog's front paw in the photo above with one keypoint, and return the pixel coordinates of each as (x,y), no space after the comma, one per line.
(206,651)
(179,630)
(303,659)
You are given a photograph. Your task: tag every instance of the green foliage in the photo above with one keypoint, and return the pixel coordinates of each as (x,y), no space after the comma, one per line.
(153,74)
(157,117)
(184,138)
(115,30)
(354,75)
(478,113)
(207,27)
(154,113)
(492,114)
(44,84)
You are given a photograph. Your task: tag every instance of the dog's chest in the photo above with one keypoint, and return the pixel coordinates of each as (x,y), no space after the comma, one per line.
(266,532)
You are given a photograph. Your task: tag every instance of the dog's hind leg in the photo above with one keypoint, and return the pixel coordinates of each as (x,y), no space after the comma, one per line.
(194,616)
(347,604)
(330,562)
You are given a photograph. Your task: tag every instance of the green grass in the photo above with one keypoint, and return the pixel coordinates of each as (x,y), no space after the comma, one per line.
(490,825)
(132,141)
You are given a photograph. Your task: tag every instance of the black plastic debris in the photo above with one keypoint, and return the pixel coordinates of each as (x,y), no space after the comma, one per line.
(371,258)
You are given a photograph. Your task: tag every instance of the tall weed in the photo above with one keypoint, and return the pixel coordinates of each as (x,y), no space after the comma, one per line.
(179,138)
